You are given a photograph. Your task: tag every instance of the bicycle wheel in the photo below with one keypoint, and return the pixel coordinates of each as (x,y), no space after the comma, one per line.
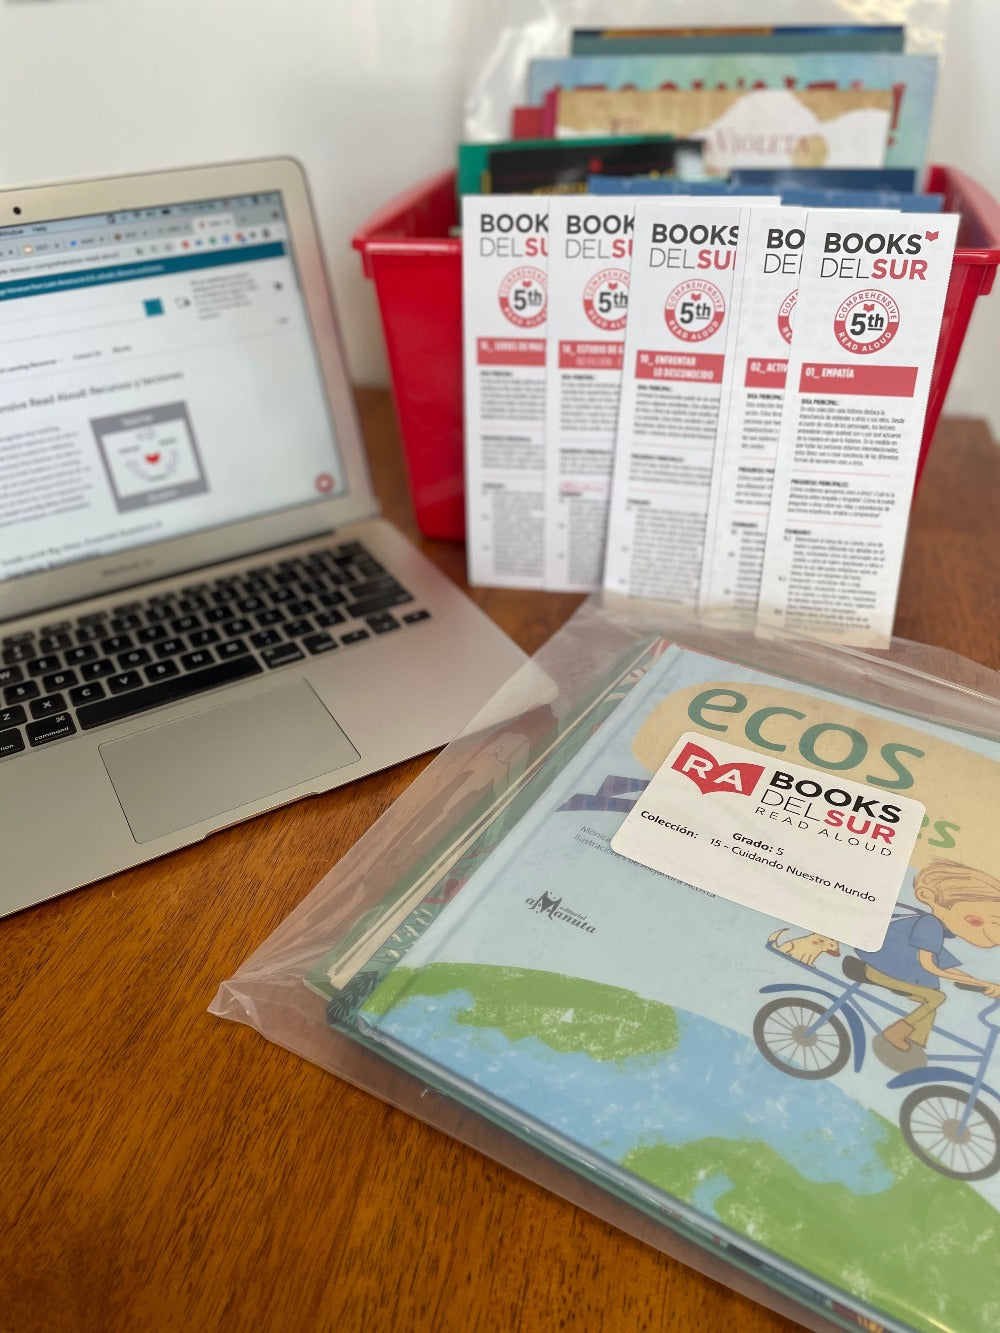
(782,1031)
(931,1121)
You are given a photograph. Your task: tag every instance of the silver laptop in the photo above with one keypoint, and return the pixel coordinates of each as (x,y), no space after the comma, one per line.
(201,615)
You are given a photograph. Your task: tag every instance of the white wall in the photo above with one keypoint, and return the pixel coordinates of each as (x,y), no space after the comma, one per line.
(367,93)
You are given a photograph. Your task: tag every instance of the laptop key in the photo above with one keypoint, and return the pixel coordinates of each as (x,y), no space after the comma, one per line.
(264,638)
(11,742)
(95,670)
(358,592)
(282,654)
(380,602)
(150,634)
(355,636)
(19,694)
(369,569)
(125,680)
(86,694)
(201,657)
(135,658)
(13,716)
(123,623)
(161,670)
(18,652)
(85,652)
(50,729)
(11,675)
(59,680)
(382,623)
(167,691)
(41,666)
(232,648)
(53,642)
(117,643)
(48,707)
(169,648)
(319,643)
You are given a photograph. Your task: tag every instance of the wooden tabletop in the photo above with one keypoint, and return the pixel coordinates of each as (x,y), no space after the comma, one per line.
(163,1169)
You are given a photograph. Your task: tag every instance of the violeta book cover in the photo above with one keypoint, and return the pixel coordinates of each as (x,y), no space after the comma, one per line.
(736,960)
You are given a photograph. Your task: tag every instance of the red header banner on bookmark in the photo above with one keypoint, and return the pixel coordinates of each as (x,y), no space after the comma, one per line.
(764,374)
(510,351)
(591,355)
(872,381)
(696,367)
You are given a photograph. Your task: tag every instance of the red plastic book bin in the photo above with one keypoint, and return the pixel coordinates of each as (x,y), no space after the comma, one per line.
(416,266)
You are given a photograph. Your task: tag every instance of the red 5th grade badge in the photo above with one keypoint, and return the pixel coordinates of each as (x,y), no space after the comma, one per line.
(522,297)
(694,310)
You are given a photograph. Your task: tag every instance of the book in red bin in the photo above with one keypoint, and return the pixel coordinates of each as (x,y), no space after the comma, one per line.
(730,951)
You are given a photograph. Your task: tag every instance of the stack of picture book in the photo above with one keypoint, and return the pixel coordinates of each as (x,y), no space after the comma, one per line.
(716,939)
(683,101)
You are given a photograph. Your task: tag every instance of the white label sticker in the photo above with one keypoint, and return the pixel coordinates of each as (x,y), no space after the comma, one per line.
(801,844)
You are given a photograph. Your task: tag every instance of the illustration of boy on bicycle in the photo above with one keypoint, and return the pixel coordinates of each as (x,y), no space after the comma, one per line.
(962,903)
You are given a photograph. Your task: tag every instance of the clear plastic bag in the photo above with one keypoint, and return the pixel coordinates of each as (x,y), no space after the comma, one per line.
(527,28)
(425,873)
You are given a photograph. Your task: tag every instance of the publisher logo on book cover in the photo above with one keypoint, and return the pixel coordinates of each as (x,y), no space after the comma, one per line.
(709,775)
(522,297)
(605,299)
(694,310)
(555,909)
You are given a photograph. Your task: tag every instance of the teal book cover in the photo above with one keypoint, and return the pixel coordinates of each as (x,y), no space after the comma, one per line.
(821,1113)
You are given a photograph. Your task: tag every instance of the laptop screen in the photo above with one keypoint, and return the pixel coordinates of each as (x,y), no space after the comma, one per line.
(157,378)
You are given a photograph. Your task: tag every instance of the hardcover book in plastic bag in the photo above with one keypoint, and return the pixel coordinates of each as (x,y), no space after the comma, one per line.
(713,926)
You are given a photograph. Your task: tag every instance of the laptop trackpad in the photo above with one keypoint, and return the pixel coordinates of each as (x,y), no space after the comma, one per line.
(180,773)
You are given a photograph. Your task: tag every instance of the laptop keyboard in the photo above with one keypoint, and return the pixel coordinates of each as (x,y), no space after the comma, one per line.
(74,675)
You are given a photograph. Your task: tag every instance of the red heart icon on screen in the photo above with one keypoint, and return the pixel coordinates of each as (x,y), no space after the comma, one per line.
(152,458)
(932,235)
